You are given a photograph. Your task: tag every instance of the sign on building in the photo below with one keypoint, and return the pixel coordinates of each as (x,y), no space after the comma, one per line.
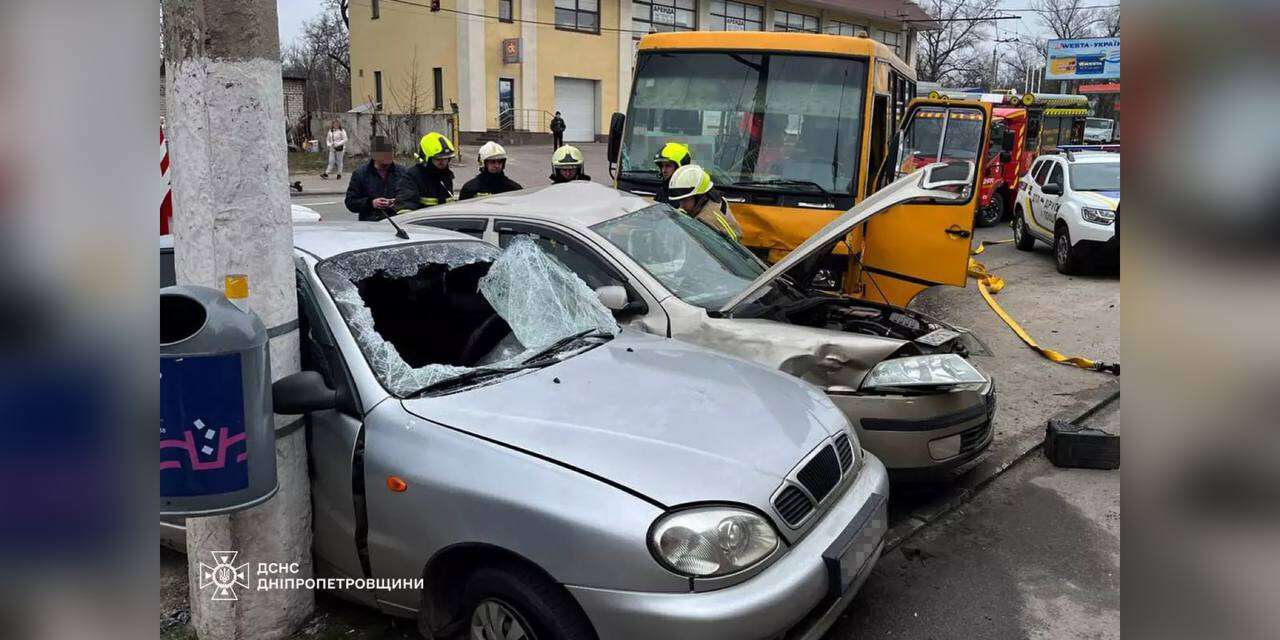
(1083,59)
(511,51)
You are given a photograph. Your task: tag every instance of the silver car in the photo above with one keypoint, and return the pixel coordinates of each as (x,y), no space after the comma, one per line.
(478,419)
(902,377)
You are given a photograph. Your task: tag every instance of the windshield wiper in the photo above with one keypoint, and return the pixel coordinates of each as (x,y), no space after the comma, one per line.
(786,182)
(470,377)
(552,348)
(639,173)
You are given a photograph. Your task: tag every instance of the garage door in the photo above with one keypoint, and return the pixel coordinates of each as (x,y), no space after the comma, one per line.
(576,102)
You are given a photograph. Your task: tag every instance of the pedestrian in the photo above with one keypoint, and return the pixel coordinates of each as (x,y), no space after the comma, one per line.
(670,157)
(372,192)
(557,131)
(430,182)
(336,141)
(492,178)
(567,165)
(691,192)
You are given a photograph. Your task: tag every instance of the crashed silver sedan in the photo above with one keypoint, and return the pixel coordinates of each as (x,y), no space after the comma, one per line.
(478,419)
(902,377)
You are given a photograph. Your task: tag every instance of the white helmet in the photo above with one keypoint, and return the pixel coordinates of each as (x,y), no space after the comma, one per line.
(688,181)
(491,151)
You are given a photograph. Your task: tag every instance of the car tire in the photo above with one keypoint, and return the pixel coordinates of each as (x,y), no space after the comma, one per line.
(992,214)
(501,596)
(1022,238)
(1065,257)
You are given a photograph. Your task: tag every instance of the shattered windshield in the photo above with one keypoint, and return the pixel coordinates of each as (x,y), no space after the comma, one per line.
(691,260)
(424,314)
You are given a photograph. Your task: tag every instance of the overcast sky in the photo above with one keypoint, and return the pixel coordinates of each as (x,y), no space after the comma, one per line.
(294,12)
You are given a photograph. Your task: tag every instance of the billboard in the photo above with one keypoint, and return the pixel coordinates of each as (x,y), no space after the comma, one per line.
(1083,59)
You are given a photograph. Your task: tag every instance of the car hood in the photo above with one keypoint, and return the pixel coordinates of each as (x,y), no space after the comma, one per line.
(803,259)
(665,419)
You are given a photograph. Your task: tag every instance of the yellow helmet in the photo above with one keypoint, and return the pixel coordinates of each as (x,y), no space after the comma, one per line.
(565,157)
(688,181)
(434,145)
(491,151)
(674,152)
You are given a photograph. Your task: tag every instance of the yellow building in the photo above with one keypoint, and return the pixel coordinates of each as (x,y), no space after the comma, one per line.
(510,64)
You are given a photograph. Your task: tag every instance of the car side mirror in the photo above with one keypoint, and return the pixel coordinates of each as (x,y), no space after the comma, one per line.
(613,297)
(1052,189)
(616,124)
(302,392)
(940,175)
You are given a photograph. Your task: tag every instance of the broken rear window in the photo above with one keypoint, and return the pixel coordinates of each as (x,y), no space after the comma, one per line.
(425,313)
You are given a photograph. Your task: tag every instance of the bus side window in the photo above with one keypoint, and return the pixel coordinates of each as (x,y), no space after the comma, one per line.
(879,141)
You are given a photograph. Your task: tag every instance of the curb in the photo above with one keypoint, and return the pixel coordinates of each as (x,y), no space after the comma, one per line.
(1086,403)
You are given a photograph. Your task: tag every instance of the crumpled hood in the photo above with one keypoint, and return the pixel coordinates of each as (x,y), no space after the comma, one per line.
(668,420)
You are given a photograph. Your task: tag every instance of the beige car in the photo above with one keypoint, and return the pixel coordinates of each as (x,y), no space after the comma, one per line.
(902,377)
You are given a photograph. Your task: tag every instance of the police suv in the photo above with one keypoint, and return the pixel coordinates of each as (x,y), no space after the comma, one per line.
(1069,201)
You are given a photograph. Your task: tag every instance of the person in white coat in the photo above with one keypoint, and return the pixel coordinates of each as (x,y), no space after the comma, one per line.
(336,142)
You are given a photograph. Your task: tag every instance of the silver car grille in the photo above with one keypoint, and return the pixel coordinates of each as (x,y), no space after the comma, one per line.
(815,479)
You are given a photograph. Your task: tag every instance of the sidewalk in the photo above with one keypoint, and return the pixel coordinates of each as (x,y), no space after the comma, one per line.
(530,165)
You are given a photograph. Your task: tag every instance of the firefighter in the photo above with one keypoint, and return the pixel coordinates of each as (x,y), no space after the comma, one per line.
(691,192)
(670,157)
(492,178)
(567,165)
(429,182)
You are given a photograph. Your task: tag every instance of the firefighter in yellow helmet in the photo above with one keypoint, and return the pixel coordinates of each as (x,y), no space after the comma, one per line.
(670,157)
(493,178)
(567,165)
(691,191)
(430,182)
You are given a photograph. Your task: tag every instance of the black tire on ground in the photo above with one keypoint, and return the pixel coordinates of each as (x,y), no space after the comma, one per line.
(1065,257)
(992,214)
(1022,238)
(544,608)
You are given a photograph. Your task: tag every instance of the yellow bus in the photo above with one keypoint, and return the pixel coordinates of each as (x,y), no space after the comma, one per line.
(797,128)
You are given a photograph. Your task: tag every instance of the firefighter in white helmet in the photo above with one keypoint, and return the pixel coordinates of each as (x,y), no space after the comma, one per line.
(567,165)
(492,178)
(691,191)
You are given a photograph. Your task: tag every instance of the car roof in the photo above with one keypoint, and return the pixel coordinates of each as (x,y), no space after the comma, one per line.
(328,239)
(1092,157)
(578,203)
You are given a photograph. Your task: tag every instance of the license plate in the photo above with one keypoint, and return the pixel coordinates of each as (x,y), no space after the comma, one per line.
(938,337)
(854,547)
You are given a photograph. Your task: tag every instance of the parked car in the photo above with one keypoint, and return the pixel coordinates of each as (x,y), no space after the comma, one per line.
(477,418)
(1099,130)
(901,376)
(1069,200)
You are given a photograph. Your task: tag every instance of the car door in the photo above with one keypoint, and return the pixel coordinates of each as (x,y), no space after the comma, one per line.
(334,443)
(1047,210)
(916,245)
(594,268)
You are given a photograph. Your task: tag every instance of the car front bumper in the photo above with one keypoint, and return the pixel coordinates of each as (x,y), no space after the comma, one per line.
(923,434)
(791,598)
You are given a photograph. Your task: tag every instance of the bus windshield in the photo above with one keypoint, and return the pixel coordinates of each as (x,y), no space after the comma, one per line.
(785,121)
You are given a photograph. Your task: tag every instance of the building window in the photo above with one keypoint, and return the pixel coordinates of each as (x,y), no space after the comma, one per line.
(727,15)
(650,16)
(838,28)
(788,21)
(376,7)
(890,38)
(377,90)
(504,10)
(437,81)
(578,15)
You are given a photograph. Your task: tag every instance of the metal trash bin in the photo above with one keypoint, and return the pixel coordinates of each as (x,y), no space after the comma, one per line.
(217,432)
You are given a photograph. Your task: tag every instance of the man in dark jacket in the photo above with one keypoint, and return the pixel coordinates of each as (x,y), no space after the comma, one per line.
(492,178)
(430,182)
(372,192)
(567,165)
(557,131)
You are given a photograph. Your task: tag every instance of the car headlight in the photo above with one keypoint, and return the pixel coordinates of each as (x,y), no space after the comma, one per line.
(711,541)
(920,372)
(1098,216)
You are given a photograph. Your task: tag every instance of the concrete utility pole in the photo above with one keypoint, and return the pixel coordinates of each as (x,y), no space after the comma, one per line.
(231,215)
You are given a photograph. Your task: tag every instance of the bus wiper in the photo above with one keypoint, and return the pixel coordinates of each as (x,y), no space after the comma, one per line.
(470,377)
(786,182)
(639,173)
(564,342)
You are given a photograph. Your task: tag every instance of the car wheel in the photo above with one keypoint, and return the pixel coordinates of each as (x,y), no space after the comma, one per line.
(992,214)
(1064,256)
(1022,237)
(517,603)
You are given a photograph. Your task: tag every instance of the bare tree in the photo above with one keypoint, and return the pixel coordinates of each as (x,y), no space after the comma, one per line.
(1072,18)
(322,56)
(950,54)
(411,95)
